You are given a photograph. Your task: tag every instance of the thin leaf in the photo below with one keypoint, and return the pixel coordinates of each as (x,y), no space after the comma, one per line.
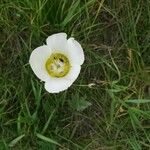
(71,12)
(16,140)
(138,101)
(47,139)
(134,143)
(48,121)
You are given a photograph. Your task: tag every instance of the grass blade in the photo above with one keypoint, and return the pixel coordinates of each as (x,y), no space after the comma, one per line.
(138,101)
(48,121)
(47,139)
(16,140)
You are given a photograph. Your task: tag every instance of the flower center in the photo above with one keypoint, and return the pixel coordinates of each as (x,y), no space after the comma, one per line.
(57,65)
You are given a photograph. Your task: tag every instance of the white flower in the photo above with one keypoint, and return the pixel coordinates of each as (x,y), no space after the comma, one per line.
(58,63)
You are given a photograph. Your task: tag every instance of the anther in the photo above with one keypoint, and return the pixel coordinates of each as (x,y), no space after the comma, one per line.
(61,60)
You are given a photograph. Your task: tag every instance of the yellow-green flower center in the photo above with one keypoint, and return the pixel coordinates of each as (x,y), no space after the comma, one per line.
(57,65)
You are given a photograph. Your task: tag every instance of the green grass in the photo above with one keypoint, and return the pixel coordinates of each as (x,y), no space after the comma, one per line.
(114,114)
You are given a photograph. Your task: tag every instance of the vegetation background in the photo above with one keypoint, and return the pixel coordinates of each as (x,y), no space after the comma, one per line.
(108,107)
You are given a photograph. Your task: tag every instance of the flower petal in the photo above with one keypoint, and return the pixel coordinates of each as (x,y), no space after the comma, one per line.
(75,52)
(58,42)
(37,61)
(56,85)
(73,73)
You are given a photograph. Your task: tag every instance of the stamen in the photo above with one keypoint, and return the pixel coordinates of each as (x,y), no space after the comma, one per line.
(61,60)
(57,65)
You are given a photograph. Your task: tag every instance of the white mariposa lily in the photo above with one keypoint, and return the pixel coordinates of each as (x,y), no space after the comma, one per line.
(58,63)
